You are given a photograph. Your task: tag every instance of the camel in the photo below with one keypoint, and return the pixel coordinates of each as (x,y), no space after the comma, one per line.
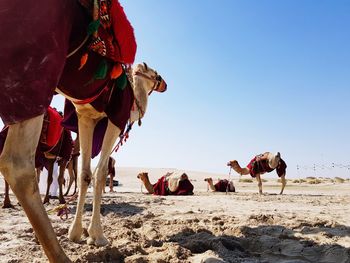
(36,58)
(61,153)
(260,164)
(55,144)
(144,80)
(222,185)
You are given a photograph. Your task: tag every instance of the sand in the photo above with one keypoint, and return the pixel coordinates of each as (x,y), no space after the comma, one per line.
(309,223)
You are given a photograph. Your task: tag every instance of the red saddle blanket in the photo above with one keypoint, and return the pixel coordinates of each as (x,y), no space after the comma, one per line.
(161,187)
(52,129)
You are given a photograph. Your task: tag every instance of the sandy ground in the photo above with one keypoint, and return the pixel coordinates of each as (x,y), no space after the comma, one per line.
(309,223)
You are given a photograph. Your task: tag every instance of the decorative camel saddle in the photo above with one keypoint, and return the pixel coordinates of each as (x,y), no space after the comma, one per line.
(112,35)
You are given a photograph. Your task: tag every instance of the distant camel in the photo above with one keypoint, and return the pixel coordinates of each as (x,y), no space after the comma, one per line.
(111,174)
(260,164)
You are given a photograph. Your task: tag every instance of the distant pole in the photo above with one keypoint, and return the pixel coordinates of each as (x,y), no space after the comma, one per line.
(315,170)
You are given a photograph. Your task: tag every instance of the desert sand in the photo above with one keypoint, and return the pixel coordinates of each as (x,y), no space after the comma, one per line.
(309,223)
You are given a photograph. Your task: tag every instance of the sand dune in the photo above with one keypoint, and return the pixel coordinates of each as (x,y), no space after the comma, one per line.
(310,223)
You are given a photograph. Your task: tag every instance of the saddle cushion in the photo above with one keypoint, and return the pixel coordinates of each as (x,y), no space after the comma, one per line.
(185,187)
(54,128)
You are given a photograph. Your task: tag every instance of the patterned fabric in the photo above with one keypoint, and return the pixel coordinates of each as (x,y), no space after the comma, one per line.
(161,187)
(221,186)
(116,105)
(259,167)
(115,37)
(53,126)
(62,148)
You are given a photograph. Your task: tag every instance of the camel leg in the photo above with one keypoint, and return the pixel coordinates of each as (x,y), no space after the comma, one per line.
(63,164)
(86,130)
(17,166)
(111,183)
(146,182)
(96,236)
(7,201)
(38,172)
(284,182)
(49,180)
(71,176)
(258,178)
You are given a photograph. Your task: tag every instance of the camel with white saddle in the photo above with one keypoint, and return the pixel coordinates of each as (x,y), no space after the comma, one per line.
(260,164)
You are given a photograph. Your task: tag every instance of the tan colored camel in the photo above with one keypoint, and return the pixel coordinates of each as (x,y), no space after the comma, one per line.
(144,81)
(260,164)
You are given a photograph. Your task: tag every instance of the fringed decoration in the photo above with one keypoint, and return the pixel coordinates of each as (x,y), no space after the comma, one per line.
(102,70)
(124,33)
(122,81)
(83,60)
(116,71)
(93,27)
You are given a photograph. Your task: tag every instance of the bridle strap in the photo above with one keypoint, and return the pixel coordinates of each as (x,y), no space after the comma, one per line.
(156,82)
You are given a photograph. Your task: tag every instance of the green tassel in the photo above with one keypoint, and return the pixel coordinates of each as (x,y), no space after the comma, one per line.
(93,27)
(100,73)
(121,81)
(102,70)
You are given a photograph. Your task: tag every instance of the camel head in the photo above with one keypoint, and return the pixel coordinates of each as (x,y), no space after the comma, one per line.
(145,81)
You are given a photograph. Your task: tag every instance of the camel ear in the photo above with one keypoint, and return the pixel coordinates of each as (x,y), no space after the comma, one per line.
(145,65)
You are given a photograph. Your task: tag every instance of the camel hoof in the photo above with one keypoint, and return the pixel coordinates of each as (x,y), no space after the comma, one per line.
(74,234)
(99,242)
(46,201)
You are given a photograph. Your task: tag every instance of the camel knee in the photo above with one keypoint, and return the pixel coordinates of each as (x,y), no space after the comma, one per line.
(85,178)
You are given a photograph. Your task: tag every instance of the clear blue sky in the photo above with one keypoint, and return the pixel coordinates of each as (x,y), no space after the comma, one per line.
(243,77)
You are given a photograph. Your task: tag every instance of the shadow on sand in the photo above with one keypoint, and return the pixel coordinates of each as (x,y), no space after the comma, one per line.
(266,243)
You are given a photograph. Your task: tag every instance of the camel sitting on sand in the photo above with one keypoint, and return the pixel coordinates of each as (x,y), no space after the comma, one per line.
(222,185)
(260,164)
(169,184)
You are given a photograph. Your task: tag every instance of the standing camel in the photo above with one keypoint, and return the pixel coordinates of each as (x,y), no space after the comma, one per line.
(260,164)
(40,35)
(55,143)
(61,153)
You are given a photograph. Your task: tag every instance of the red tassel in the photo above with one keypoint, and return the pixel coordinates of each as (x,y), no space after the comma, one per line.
(124,34)
(116,71)
(83,60)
